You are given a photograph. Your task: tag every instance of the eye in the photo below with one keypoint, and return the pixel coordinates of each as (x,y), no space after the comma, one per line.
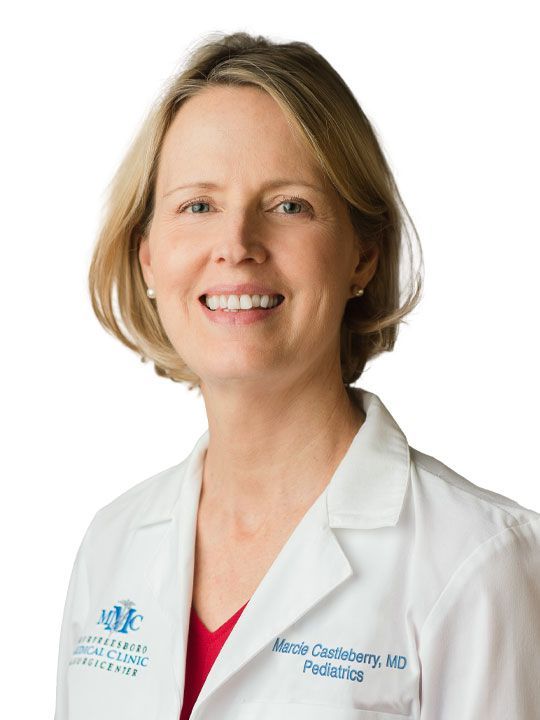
(191,203)
(298,202)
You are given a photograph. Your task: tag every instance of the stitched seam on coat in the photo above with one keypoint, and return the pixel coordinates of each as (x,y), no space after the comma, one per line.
(485,499)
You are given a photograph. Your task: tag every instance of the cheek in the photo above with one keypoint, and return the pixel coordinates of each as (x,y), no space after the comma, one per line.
(176,279)
(328,295)
(325,277)
(176,269)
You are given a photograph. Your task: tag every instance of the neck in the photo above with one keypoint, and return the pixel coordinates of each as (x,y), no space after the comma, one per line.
(275,447)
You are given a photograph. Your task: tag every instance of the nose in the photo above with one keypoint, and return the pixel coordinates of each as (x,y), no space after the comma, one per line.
(240,238)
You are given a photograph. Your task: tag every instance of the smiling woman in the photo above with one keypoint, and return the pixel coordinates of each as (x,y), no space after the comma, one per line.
(253,125)
(256,248)
(244,230)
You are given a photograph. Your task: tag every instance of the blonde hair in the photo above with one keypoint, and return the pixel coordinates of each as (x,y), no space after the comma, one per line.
(317,101)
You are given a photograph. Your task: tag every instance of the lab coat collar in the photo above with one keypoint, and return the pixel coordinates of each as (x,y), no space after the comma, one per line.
(369,485)
(366,491)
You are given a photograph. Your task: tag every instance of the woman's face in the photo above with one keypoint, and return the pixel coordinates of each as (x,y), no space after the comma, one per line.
(246,227)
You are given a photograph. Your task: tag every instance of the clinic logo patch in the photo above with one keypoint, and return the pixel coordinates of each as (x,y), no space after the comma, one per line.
(122,654)
(122,617)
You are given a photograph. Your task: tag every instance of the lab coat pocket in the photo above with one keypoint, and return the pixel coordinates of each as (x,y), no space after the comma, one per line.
(306,711)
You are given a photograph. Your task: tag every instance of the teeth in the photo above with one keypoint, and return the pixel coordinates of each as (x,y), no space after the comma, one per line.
(234,303)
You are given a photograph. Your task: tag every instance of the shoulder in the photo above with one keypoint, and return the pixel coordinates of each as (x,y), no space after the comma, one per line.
(463,530)
(444,491)
(479,573)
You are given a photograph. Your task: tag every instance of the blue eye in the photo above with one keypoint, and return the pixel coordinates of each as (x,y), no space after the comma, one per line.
(198,201)
(291,202)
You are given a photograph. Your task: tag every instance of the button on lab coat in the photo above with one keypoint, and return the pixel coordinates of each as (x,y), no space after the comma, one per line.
(405,591)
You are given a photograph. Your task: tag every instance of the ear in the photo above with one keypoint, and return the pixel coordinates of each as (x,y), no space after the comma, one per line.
(367,265)
(145,261)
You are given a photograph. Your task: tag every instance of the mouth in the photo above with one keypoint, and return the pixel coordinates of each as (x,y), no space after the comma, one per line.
(278,301)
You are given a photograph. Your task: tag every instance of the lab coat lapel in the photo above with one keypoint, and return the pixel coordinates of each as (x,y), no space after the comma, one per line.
(169,572)
(310,565)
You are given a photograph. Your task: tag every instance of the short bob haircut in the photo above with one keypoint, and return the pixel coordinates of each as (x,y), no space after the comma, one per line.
(318,103)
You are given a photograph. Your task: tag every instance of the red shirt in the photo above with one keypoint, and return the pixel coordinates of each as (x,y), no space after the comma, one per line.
(202,650)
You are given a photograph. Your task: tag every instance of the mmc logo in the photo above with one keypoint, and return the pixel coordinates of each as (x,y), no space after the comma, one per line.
(122,617)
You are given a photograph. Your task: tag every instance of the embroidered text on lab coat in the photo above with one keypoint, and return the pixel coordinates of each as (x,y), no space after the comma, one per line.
(339,653)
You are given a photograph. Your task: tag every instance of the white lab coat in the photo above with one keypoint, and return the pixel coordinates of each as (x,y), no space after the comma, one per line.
(405,591)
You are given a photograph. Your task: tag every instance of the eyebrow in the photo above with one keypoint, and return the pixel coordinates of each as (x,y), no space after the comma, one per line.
(280,182)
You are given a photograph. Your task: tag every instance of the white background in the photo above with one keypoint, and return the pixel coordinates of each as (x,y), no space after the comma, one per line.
(451,89)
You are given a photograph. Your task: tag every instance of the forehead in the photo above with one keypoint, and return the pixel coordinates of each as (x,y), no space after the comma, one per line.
(234,133)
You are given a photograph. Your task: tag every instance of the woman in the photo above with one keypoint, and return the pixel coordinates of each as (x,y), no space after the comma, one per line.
(303,561)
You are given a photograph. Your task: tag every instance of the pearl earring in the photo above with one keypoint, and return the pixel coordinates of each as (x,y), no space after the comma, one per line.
(357,290)
(151,292)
